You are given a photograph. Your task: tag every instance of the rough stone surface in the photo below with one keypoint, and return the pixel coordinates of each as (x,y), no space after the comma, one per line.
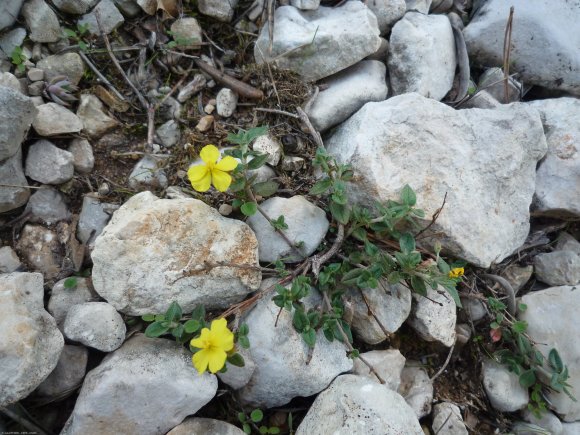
(42,21)
(567,243)
(49,164)
(518,276)
(53,119)
(187,32)
(408,139)
(151,252)
(9,261)
(12,39)
(148,174)
(168,133)
(422,55)
(9,80)
(95,324)
(238,377)
(227,101)
(93,218)
(142,366)
(481,100)
(39,247)
(95,121)
(434,321)
(47,206)
(9,12)
(69,65)
(387,363)
(332,39)
(203,426)
(109,17)
(30,343)
(284,369)
(570,428)
(356,405)
(558,268)
(346,92)
(447,420)
(69,371)
(270,145)
(421,6)
(129,8)
(11,172)
(16,114)
(558,177)
(474,309)
(548,421)
(492,80)
(83,158)
(553,322)
(306,223)
(62,299)
(75,7)
(539,24)
(416,388)
(222,10)
(503,388)
(390,306)
(388,12)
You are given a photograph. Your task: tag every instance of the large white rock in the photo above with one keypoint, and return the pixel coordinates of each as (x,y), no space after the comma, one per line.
(155,251)
(447,420)
(388,307)
(53,119)
(16,114)
(205,426)
(346,92)
(283,370)
(434,317)
(558,268)
(48,163)
(306,222)
(218,9)
(164,388)
(417,388)
(484,160)
(388,12)
(30,343)
(355,405)
(62,299)
(544,41)
(422,55)
(69,372)
(503,388)
(558,176)
(553,322)
(388,364)
(316,44)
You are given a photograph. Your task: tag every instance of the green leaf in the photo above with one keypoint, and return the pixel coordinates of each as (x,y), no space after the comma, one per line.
(236,360)
(394,277)
(321,186)
(279,223)
(148,317)
(527,378)
(173,313)
(242,417)
(70,283)
(159,317)
(407,243)
(244,329)
(83,45)
(524,344)
(69,33)
(408,196)
(340,212)
(244,342)
(443,266)
(156,329)
(177,332)
(352,276)
(454,295)
(522,307)
(238,185)
(360,234)
(247,429)
(257,415)
(258,161)
(346,329)
(520,326)
(300,320)
(418,285)
(555,361)
(309,337)
(265,188)
(249,208)
(263,430)
(192,326)
(274,430)
(198,313)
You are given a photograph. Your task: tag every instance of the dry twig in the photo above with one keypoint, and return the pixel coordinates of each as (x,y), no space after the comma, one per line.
(507,42)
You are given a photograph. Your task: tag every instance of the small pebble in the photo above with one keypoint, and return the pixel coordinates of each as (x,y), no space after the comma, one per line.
(227,102)
(225,209)
(204,123)
(35,74)
(209,108)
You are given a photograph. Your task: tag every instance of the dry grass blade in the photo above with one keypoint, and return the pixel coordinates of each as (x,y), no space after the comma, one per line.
(507,42)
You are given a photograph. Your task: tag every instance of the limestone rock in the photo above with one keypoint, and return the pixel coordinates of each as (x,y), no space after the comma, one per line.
(93,218)
(9,10)
(271,146)
(202,426)
(62,299)
(434,321)
(95,324)
(227,101)
(40,248)
(30,343)
(503,388)
(148,174)
(389,365)
(95,121)
(83,158)
(75,7)
(409,139)
(331,39)
(187,32)
(9,261)
(68,373)
(109,17)
(16,114)
(69,65)
(49,164)
(11,172)
(42,21)
(417,388)
(422,55)
(53,119)
(218,9)
(47,206)
(447,420)
(356,405)
(558,268)
(142,366)
(153,252)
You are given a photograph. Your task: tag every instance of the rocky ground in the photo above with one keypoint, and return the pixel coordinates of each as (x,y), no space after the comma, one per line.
(107,103)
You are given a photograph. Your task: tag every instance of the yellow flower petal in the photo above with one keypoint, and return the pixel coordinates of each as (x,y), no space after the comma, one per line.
(197,172)
(210,154)
(221,336)
(221,180)
(217,360)
(201,360)
(228,163)
(203,184)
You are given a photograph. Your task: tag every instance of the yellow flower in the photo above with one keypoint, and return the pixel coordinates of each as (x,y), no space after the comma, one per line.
(212,171)
(456,272)
(214,344)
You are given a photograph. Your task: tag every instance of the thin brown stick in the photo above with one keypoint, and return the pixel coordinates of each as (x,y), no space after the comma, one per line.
(241,88)
(442,369)
(507,42)
(270,26)
(279,112)
(319,260)
(101,77)
(370,310)
(313,132)
(271,77)
(433,218)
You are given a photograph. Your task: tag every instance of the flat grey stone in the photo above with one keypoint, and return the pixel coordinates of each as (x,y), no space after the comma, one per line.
(69,65)
(42,21)
(9,10)
(16,115)
(11,172)
(109,17)
(503,388)
(68,373)
(558,268)
(83,158)
(47,206)
(62,299)
(53,119)
(49,164)
(9,261)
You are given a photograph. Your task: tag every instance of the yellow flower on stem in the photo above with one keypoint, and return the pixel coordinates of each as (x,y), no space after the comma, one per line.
(211,171)
(214,343)
(456,272)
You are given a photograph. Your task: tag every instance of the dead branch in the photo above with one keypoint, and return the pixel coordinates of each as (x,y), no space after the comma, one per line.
(241,88)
